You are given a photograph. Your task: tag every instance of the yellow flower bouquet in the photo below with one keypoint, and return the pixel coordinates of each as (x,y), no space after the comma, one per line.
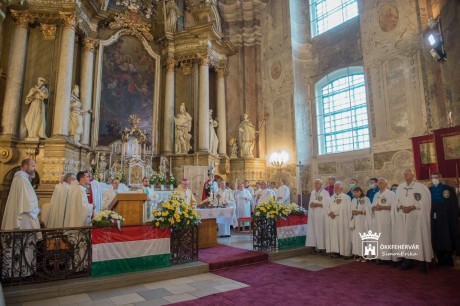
(174,212)
(271,209)
(107,218)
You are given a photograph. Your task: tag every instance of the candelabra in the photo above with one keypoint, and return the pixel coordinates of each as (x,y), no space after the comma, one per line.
(278,159)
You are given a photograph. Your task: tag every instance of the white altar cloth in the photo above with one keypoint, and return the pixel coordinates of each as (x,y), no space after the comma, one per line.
(222,215)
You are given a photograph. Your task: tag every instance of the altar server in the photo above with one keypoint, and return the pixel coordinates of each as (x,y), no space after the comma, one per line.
(243,200)
(58,203)
(360,210)
(265,193)
(283,195)
(186,192)
(412,218)
(110,194)
(381,221)
(317,206)
(444,221)
(78,212)
(338,239)
(224,197)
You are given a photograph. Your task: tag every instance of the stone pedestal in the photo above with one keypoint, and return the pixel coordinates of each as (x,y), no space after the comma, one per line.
(252,169)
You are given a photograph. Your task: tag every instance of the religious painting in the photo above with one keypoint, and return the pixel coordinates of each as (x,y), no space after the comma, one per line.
(451,147)
(428,153)
(127,87)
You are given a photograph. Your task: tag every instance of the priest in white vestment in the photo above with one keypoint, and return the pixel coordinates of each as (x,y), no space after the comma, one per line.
(79,210)
(110,194)
(338,239)
(265,193)
(360,210)
(319,199)
(21,212)
(58,203)
(95,191)
(243,202)
(412,221)
(381,217)
(225,197)
(186,192)
(283,195)
(152,198)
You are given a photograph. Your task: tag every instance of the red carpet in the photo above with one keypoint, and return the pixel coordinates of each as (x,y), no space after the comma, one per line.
(350,284)
(223,256)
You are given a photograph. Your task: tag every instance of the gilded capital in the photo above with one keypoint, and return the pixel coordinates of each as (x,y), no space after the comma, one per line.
(48,31)
(221,71)
(22,19)
(70,20)
(170,64)
(186,68)
(204,59)
(90,44)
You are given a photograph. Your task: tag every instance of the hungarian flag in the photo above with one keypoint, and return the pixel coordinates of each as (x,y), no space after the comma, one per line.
(134,248)
(292,231)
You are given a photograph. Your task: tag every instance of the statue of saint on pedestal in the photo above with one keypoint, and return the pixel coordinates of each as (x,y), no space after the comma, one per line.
(247,137)
(76,115)
(213,140)
(183,126)
(172,14)
(234,148)
(35,119)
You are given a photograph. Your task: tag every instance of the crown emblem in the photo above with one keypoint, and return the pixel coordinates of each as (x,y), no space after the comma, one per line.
(370,235)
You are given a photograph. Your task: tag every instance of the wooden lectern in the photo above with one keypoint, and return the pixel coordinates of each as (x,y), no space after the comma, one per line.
(130,206)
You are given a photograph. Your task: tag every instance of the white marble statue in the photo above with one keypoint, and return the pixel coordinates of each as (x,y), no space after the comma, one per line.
(183,124)
(247,137)
(213,140)
(172,14)
(234,147)
(35,119)
(76,115)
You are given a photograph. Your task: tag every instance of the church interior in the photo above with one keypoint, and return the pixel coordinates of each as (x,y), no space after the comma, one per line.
(245,91)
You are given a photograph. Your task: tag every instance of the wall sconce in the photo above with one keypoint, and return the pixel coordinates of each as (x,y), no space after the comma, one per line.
(278,159)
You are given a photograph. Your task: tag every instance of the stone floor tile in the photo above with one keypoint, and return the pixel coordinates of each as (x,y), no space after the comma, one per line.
(177,289)
(179,297)
(46,302)
(153,302)
(73,299)
(204,284)
(154,293)
(204,292)
(127,298)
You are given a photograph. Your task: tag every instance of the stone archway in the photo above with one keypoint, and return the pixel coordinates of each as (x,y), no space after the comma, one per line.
(5,187)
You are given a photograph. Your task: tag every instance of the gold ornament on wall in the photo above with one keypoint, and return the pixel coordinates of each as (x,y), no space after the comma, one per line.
(132,24)
(48,31)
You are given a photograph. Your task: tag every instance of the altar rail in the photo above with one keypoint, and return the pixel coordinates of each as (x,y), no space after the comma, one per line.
(32,256)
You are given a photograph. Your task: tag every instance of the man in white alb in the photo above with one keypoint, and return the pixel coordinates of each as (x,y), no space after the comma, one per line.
(58,203)
(78,212)
(283,195)
(110,194)
(319,199)
(152,198)
(225,197)
(265,193)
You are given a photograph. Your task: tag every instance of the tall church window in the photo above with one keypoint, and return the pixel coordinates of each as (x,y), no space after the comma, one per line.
(342,111)
(327,14)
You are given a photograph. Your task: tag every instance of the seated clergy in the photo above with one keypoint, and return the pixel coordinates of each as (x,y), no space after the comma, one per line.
(58,203)
(110,194)
(78,212)
(186,192)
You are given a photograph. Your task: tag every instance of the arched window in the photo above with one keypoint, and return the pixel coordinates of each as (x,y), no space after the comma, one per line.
(342,111)
(327,14)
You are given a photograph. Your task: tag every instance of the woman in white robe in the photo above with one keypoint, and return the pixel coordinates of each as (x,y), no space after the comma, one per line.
(359,223)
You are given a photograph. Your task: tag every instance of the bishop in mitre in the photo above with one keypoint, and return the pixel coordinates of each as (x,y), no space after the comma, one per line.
(79,210)
(319,200)
(58,203)
(183,190)
(338,215)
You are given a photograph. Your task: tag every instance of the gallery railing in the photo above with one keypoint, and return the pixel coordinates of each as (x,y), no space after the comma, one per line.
(31,256)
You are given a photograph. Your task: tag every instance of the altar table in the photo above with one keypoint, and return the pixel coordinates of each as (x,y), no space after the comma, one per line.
(207,229)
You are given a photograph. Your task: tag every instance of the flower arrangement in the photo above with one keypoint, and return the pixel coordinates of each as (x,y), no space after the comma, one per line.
(174,212)
(171,179)
(107,218)
(271,209)
(161,178)
(295,209)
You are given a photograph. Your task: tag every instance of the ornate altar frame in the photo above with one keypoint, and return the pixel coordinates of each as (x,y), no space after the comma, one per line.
(141,32)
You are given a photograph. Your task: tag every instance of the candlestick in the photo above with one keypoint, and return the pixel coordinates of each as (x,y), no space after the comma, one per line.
(170,164)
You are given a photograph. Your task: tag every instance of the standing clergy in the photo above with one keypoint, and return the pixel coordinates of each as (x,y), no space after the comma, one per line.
(283,194)
(243,199)
(78,212)
(186,192)
(265,193)
(383,207)
(152,198)
(58,203)
(110,194)
(225,197)
(360,210)
(95,193)
(338,239)
(21,212)
(330,185)
(319,200)
(412,221)
(444,221)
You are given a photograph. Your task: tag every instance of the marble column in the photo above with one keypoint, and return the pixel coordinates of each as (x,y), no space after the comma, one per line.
(168,128)
(221,114)
(14,75)
(64,77)
(203,106)
(86,86)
